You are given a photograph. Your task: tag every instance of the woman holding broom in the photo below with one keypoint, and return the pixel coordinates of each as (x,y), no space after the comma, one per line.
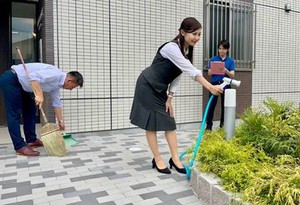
(18,89)
(155,88)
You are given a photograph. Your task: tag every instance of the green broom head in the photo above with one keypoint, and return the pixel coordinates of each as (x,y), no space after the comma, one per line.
(52,139)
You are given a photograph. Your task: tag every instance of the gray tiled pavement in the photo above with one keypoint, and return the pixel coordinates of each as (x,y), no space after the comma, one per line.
(104,168)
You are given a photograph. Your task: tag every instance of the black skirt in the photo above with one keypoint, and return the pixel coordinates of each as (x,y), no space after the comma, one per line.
(148,110)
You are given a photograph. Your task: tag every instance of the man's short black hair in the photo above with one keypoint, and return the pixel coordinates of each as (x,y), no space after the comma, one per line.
(225,44)
(77,76)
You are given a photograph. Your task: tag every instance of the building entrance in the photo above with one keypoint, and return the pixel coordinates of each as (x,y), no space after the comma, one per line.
(17,29)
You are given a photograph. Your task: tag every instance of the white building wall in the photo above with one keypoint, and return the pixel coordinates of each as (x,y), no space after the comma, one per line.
(277,67)
(110,42)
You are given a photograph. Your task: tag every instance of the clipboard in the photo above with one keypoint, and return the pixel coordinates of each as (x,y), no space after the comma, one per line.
(217,68)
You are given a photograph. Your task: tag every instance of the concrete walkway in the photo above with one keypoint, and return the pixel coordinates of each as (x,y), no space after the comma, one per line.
(103,168)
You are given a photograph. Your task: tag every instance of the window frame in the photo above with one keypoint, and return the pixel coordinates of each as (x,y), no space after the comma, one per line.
(241,37)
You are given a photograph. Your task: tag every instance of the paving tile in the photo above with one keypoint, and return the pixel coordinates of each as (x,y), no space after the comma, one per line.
(104,168)
(28,202)
(119,176)
(61,191)
(8,201)
(189,200)
(142,185)
(52,199)
(77,193)
(65,201)
(8,174)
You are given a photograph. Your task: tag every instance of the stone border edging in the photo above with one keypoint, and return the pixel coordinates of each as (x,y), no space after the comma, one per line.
(207,188)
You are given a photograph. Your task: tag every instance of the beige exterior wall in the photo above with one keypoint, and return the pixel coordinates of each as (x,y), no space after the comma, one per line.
(110,45)
(277,67)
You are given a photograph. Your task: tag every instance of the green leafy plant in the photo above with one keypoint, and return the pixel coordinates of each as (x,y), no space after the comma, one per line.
(232,162)
(262,161)
(274,128)
(279,185)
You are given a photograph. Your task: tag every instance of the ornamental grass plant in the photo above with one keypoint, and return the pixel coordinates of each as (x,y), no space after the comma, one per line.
(262,161)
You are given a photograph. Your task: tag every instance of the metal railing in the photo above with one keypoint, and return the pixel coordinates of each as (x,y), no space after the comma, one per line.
(230,20)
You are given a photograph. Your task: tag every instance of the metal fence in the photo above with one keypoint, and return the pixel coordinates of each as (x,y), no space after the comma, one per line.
(112,41)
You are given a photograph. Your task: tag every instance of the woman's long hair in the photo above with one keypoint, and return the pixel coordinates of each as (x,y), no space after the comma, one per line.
(188,25)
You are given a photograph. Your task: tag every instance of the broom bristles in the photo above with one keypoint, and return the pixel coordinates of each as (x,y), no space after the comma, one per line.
(48,128)
(52,139)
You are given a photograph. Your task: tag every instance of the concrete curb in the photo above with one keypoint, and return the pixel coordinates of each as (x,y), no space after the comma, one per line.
(207,188)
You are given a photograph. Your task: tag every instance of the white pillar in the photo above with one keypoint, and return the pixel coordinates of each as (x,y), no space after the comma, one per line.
(229,112)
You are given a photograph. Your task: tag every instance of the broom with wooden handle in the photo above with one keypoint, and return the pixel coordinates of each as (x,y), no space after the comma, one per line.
(51,135)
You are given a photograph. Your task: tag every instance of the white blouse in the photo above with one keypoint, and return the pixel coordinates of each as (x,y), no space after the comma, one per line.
(172,52)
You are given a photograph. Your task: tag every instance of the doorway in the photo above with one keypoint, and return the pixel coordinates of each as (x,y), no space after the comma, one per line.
(17,29)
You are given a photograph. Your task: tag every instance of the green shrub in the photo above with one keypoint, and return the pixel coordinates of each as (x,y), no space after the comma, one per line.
(232,162)
(262,161)
(275,128)
(279,185)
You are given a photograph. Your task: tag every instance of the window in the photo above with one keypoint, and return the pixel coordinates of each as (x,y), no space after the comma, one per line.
(233,21)
(23,31)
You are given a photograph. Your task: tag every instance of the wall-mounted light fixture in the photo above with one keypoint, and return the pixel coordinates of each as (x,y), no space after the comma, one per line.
(287,8)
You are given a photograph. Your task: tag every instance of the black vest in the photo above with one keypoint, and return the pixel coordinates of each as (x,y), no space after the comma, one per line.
(161,72)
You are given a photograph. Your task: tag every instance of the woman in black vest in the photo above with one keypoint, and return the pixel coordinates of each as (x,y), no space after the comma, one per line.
(152,108)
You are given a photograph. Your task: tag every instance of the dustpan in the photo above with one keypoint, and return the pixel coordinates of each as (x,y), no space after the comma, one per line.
(69,140)
(50,133)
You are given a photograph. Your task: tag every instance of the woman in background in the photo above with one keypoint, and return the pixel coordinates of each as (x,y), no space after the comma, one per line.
(156,86)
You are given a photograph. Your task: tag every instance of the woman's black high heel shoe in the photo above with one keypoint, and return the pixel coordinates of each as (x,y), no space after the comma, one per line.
(164,171)
(180,170)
